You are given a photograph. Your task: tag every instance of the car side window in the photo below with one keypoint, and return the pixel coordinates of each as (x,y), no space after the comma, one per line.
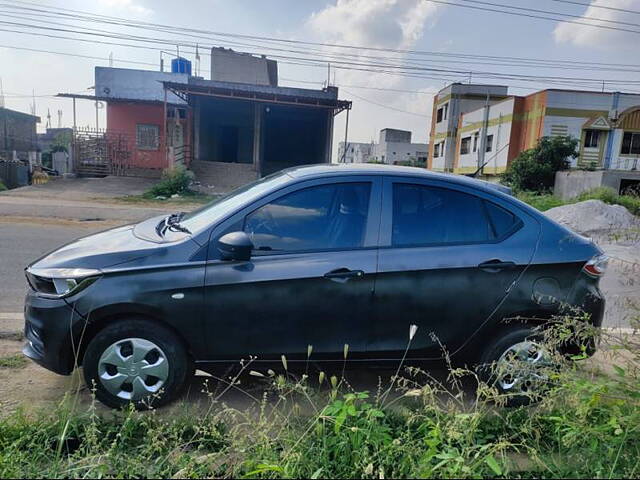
(425,215)
(502,220)
(323,217)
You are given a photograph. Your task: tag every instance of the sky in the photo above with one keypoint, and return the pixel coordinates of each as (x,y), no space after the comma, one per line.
(380,100)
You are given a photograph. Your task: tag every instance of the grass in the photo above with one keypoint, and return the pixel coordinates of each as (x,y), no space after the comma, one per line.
(318,427)
(13,361)
(544,202)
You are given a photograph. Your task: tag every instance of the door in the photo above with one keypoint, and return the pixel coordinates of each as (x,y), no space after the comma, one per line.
(310,279)
(448,257)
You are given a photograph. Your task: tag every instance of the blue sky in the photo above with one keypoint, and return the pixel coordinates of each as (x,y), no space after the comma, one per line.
(398,24)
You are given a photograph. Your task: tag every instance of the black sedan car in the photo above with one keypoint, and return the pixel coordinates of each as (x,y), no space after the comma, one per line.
(322,255)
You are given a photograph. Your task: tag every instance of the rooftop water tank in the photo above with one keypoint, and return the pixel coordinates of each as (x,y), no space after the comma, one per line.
(181,65)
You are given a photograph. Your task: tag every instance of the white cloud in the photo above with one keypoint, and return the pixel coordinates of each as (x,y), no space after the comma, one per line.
(128,5)
(586,36)
(374,23)
(394,24)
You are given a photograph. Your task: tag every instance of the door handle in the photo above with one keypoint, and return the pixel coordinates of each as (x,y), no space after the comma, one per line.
(343,274)
(494,266)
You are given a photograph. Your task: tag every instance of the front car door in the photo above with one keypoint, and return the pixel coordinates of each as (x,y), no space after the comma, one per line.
(448,256)
(311,276)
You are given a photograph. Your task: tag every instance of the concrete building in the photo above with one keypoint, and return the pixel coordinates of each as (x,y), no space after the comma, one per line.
(480,125)
(356,152)
(230,130)
(18,137)
(393,147)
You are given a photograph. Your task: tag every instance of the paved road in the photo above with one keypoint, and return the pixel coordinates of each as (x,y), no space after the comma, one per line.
(20,244)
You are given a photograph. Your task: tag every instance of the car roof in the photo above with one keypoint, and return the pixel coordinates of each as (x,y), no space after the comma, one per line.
(328,169)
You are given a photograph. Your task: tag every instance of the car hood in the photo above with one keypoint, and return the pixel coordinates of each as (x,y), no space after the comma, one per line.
(102,250)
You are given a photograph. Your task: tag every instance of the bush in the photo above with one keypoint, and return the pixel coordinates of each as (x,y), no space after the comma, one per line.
(174,181)
(2,186)
(535,169)
(608,195)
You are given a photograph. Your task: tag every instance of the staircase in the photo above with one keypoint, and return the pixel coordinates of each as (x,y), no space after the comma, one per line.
(221,177)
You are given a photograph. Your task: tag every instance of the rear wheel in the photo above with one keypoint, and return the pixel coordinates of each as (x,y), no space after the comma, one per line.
(518,366)
(136,361)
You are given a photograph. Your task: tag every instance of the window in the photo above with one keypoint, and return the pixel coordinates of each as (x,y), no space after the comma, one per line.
(591,138)
(446,110)
(630,144)
(476,136)
(436,216)
(502,220)
(489,143)
(147,137)
(465,144)
(439,115)
(316,218)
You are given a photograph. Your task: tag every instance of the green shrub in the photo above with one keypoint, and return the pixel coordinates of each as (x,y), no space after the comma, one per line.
(608,195)
(2,186)
(174,181)
(534,170)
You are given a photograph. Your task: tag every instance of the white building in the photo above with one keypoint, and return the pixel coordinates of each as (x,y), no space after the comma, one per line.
(394,147)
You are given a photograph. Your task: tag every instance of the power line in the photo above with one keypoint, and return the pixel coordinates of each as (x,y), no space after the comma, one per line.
(604,7)
(13,47)
(387,106)
(525,9)
(485,9)
(137,24)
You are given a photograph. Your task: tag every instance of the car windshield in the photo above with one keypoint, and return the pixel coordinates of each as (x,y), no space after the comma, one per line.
(210,213)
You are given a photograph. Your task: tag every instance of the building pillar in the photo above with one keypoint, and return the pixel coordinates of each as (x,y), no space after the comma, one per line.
(257,138)
(329,139)
(196,130)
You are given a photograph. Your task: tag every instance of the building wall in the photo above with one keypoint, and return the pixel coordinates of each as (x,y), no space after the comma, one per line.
(500,123)
(394,152)
(460,99)
(18,132)
(137,84)
(123,118)
(230,66)
(356,152)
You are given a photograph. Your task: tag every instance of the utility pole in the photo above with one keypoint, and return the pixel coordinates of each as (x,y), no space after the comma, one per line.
(483,134)
(328,73)
(1,95)
(59,118)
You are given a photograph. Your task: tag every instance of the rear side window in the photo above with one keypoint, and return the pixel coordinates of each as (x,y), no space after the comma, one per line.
(502,220)
(324,217)
(425,215)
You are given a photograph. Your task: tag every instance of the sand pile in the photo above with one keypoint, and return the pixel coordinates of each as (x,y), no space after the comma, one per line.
(594,217)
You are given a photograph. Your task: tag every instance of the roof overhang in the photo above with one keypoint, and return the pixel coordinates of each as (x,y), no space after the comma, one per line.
(258,93)
(107,99)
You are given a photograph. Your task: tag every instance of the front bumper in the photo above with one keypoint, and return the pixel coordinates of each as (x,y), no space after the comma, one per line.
(49,331)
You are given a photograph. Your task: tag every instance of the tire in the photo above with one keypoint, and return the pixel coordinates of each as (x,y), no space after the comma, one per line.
(517,366)
(136,362)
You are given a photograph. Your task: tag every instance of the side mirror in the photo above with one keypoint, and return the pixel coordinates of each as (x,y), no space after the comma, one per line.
(235,246)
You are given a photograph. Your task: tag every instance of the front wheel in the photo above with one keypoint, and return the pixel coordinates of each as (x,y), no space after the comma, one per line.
(518,365)
(136,361)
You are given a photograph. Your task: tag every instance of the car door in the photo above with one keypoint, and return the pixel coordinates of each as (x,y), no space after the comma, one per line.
(311,276)
(448,256)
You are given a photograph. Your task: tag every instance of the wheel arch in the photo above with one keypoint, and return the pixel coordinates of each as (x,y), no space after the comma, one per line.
(99,318)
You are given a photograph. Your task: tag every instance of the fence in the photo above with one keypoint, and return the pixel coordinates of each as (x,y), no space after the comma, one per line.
(108,152)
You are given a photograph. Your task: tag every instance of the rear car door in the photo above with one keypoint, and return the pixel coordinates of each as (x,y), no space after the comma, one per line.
(448,256)
(311,276)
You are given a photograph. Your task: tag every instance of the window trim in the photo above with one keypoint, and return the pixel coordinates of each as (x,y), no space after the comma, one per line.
(588,135)
(462,140)
(386,224)
(145,148)
(633,134)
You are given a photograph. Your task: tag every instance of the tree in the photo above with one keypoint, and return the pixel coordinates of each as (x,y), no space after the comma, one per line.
(535,169)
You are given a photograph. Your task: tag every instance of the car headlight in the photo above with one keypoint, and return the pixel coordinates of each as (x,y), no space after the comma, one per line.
(60,282)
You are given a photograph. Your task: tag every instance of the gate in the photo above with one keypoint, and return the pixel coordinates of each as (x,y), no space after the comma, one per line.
(98,153)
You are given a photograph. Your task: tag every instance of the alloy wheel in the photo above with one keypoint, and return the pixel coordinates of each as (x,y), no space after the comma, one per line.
(522,368)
